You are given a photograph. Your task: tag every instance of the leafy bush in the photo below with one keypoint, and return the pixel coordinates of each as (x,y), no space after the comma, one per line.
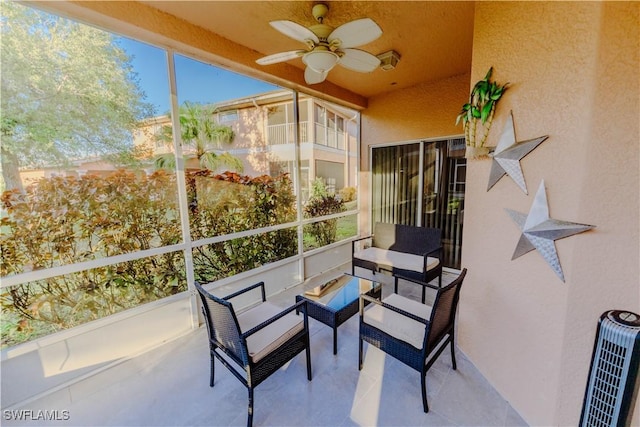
(348,194)
(228,203)
(68,220)
(321,203)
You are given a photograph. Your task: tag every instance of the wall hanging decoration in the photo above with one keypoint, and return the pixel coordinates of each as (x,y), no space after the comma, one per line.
(477,115)
(508,153)
(540,232)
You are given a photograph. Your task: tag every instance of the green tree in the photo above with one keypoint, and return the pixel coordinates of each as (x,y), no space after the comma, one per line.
(68,92)
(200,132)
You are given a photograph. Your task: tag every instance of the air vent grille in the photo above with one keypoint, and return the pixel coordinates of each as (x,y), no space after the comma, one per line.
(614,371)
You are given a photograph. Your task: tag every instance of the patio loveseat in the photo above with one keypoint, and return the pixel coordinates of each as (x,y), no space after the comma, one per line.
(408,252)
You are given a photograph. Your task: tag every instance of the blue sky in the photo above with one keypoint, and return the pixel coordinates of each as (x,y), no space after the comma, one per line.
(196,81)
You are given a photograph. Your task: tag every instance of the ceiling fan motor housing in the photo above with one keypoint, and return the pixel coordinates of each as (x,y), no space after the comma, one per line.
(319,11)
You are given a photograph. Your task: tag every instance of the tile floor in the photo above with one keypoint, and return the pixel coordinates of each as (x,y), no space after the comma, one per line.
(169,386)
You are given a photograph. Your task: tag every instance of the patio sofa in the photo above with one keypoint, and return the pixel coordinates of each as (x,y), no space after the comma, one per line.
(407,252)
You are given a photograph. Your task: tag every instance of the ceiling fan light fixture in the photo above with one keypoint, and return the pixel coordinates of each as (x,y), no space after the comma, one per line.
(326,46)
(321,61)
(389,60)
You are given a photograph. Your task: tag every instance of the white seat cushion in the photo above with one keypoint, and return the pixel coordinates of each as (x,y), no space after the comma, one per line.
(272,336)
(397,325)
(387,258)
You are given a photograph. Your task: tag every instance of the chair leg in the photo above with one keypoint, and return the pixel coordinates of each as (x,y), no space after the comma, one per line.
(250,409)
(308,351)
(360,354)
(395,288)
(423,383)
(424,293)
(453,356)
(212,370)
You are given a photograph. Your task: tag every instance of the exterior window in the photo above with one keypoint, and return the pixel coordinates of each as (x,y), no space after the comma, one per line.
(92,224)
(305,126)
(229,186)
(321,126)
(279,129)
(331,130)
(103,200)
(226,117)
(340,132)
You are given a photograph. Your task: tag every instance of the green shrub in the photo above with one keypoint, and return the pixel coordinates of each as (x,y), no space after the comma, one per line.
(321,203)
(68,220)
(228,203)
(348,194)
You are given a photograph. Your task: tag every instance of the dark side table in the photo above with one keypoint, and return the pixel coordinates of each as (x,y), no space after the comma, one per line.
(334,302)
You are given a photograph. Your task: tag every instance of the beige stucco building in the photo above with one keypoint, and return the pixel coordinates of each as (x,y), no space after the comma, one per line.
(265,134)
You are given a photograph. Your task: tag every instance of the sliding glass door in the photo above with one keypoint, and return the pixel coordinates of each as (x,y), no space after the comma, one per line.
(422,183)
(396,172)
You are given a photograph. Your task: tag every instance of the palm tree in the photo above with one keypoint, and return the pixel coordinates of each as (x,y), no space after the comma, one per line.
(200,131)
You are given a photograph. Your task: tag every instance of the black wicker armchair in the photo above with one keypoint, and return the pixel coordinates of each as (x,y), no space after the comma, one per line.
(259,340)
(413,333)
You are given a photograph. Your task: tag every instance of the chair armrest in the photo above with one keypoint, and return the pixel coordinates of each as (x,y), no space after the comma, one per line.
(247,289)
(296,306)
(364,297)
(353,242)
(437,250)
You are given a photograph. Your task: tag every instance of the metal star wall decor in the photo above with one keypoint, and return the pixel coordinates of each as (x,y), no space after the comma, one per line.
(508,153)
(540,232)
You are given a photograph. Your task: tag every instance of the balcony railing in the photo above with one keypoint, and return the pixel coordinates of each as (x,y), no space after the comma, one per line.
(283,134)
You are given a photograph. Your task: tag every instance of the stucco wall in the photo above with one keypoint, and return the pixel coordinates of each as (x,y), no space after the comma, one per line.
(573,69)
(574,74)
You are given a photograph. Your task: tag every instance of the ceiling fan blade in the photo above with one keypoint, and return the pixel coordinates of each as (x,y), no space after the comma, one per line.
(359,60)
(295,31)
(280,57)
(356,33)
(312,77)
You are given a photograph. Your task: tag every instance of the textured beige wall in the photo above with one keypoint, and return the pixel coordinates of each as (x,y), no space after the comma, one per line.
(574,74)
(573,69)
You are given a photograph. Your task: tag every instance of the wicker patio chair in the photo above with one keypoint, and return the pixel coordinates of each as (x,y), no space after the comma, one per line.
(259,340)
(411,332)
(408,252)
(428,244)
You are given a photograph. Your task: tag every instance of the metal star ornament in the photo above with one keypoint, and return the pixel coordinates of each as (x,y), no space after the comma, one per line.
(508,153)
(540,232)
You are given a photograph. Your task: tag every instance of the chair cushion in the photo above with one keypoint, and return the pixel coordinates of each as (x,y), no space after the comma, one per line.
(271,336)
(388,259)
(397,325)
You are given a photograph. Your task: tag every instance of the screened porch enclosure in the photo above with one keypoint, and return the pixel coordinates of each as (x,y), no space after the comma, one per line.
(422,183)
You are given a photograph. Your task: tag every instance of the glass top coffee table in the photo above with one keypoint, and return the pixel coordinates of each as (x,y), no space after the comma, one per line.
(334,302)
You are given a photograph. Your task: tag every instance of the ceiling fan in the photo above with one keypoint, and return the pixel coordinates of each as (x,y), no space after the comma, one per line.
(327,46)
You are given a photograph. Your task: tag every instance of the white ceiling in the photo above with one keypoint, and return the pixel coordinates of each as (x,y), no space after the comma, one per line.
(434,39)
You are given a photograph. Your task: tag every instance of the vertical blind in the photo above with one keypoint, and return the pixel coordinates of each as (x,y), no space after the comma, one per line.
(395,184)
(396,180)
